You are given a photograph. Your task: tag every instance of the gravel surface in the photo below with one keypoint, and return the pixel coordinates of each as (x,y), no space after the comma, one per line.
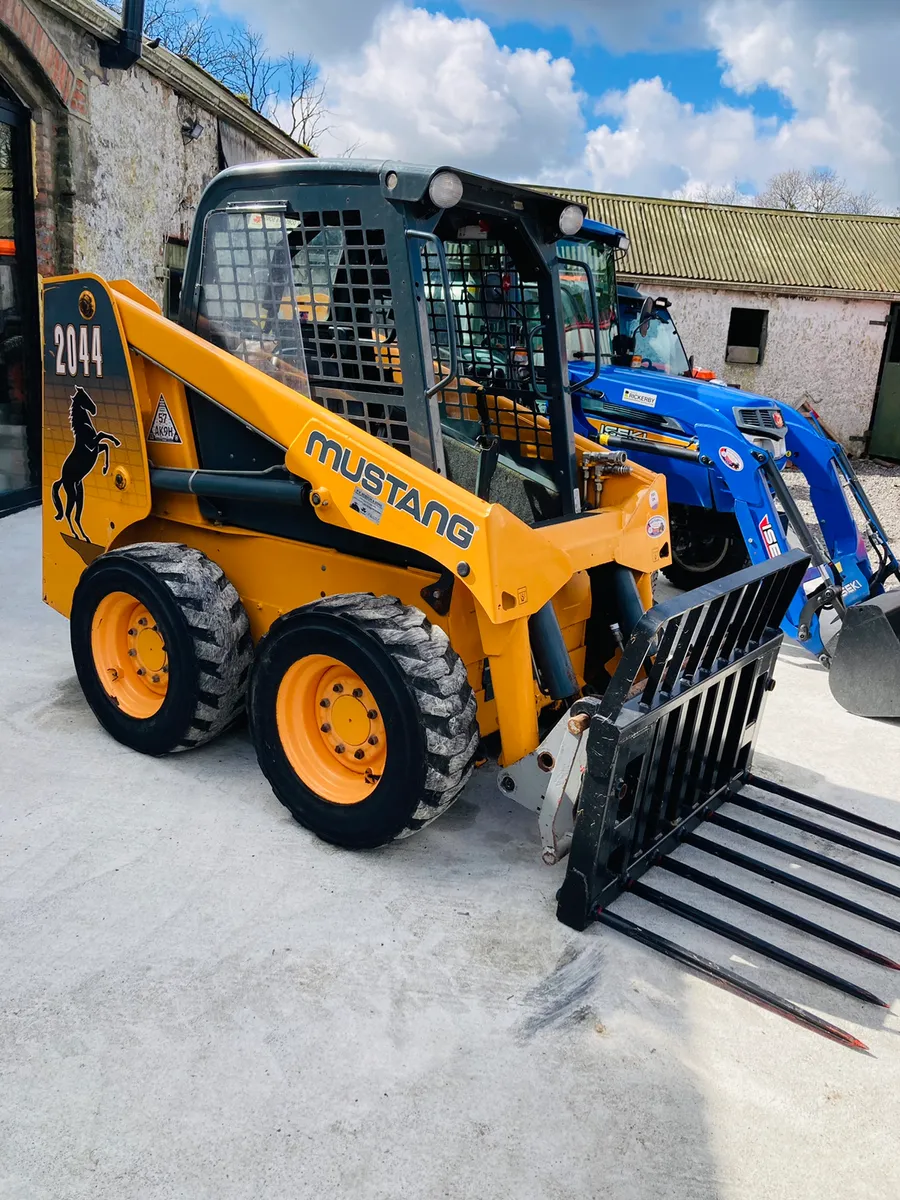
(881,482)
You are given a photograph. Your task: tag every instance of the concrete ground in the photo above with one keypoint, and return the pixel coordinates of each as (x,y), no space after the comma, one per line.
(198,999)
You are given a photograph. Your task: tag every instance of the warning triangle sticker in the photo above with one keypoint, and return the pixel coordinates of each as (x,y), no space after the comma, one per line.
(162,428)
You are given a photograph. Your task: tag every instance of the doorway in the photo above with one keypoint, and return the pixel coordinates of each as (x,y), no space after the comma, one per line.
(884,441)
(20,376)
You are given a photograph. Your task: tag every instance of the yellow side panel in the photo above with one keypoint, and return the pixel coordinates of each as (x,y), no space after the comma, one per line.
(96,478)
(273,576)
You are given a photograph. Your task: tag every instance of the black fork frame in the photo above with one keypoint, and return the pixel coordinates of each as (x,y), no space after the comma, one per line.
(672,737)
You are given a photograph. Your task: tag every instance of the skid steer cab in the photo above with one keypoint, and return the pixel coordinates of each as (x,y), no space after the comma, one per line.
(306,499)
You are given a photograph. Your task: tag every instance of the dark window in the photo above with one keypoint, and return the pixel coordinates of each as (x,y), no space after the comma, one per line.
(176,256)
(747,335)
(894,355)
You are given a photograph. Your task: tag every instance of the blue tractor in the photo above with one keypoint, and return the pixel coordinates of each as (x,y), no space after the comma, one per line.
(723,452)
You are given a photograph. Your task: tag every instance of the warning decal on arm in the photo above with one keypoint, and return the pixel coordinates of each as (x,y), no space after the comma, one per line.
(162,428)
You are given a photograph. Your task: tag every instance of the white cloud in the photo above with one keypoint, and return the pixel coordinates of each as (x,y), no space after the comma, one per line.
(324,30)
(657,144)
(836,76)
(664,25)
(407,83)
(432,89)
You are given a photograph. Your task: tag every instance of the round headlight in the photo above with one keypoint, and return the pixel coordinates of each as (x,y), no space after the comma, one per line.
(571,220)
(445,189)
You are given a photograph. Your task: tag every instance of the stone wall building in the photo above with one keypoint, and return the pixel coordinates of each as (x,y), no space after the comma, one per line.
(101,169)
(798,306)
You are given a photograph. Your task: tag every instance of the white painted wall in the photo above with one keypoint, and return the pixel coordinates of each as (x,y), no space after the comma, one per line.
(821,350)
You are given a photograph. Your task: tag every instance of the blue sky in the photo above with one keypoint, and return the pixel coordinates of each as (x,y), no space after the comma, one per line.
(694,75)
(674,95)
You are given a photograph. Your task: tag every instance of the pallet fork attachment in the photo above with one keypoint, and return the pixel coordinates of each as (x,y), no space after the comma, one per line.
(667,746)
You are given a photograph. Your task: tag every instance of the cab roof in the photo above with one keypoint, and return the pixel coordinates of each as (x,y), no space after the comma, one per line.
(398,181)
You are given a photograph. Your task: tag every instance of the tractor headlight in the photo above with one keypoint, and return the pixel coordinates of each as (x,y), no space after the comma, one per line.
(445,189)
(571,220)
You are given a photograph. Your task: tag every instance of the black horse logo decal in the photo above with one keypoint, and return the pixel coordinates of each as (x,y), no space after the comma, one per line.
(90,443)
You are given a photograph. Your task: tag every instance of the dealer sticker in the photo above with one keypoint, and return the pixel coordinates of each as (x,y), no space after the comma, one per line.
(645,399)
(367,505)
(162,427)
(653,498)
(656,527)
(731,458)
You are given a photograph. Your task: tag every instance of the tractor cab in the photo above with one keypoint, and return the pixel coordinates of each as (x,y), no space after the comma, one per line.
(650,339)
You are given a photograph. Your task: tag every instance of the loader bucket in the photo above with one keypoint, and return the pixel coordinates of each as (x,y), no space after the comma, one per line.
(865,666)
(672,737)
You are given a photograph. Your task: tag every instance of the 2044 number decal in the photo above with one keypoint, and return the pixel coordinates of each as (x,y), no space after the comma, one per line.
(78,349)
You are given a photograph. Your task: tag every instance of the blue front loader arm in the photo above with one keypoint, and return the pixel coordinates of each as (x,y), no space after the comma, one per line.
(841,574)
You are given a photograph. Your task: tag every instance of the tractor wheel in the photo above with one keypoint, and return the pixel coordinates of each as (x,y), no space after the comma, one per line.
(362,717)
(705,546)
(162,646)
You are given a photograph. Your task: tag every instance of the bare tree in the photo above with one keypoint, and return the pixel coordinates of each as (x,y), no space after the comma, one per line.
(249,71)
(818,189)
(183,29)
(288,91)
(707,193)
(304,115)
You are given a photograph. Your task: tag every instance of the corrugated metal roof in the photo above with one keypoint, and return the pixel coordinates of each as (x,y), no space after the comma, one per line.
(721,243)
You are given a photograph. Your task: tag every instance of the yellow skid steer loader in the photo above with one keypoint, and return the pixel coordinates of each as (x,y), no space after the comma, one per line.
(305,498)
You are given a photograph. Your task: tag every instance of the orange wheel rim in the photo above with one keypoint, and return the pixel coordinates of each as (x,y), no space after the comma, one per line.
(130,655)
(331,729)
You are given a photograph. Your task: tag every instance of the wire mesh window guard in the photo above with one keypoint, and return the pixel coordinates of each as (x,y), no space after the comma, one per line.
(327,321)
(247,294)
(501,356)
(343,288)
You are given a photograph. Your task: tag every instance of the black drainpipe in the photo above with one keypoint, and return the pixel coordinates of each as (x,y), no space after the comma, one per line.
(126,50)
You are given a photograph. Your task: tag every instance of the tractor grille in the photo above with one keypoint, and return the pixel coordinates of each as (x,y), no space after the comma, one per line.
(760,420)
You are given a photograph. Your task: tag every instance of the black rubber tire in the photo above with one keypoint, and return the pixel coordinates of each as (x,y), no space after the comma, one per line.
(685,571)
(207,637)
(421,688)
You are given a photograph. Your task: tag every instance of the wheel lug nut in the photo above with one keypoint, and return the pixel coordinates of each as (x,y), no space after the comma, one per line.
(359,754)
(132,653)
(357,692)
(141,671)
(142,621)
(326,728)
(326,703)
(372,714)
(132,633)
(155,678)
(338,687)
(165,670)
(373,740)
(339,749)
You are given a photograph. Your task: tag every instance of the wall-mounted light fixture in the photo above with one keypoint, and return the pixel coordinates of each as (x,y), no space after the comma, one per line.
(190,130)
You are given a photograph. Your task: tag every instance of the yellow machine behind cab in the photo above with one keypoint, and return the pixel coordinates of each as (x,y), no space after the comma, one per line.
(312,498)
